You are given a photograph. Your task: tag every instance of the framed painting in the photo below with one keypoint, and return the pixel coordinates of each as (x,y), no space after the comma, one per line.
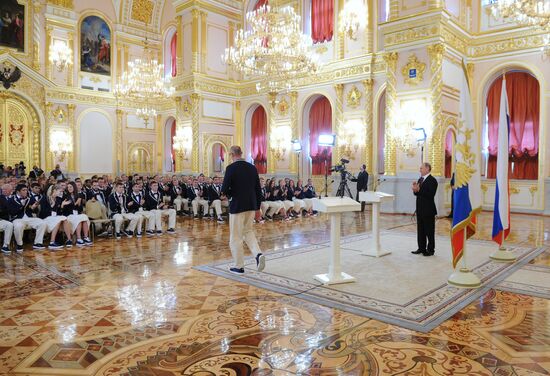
(12,25)
(95,46)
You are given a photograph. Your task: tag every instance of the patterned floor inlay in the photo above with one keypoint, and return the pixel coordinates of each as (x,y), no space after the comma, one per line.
(531,279)
(20,277)
(137,307)
(379,291)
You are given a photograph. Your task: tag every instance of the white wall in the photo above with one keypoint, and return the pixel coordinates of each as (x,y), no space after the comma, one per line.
(96,144)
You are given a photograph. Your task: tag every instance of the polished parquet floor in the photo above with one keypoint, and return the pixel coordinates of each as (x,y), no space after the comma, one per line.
(136,307)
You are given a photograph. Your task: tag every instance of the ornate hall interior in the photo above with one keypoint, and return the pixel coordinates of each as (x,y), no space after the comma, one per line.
(130,93)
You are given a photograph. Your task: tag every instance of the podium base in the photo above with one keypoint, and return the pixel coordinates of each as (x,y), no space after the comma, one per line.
(502,255)
(326,279)
(464,278)
(374,253)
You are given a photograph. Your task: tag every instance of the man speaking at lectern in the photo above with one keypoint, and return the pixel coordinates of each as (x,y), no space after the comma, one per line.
(424,190)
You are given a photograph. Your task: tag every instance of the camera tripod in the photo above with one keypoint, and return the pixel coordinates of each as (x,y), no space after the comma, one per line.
(343,188)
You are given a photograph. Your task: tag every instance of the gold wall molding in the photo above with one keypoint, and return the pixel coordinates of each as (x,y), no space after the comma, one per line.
(271,160)
(195,115)
(72,124)
(338,120)
(68,4)
(413,64)
(295,131)
(369,86)
(353,98)
(140,157)
(239,127)
(283,107)
(390,166)
(436,52)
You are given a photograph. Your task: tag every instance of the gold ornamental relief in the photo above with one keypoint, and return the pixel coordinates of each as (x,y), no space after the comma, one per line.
(354,97)
(283,107)
(413,71)
(142,10)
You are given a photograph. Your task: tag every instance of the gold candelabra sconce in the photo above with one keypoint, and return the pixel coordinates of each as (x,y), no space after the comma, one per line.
(353,18)
(61,55)
(183,142)
(280,141)
(351,138)
(60,144)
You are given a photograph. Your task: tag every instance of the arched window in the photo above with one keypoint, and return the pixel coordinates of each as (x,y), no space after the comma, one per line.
(170,53)
(320,122)
(319,20)
(524,105)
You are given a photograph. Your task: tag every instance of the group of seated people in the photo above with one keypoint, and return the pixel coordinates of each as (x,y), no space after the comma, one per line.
(63,208)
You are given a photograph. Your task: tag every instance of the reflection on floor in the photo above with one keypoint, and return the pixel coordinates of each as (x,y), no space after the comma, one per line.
(136,307)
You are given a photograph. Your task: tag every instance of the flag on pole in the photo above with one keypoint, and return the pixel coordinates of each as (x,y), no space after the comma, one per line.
(467,194)
(501,214)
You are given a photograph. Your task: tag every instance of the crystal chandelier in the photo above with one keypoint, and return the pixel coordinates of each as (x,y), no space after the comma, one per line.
(274,49)
(524,12)
(353,18)
(144,82)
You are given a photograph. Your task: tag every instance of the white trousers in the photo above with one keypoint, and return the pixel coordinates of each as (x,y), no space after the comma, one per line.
(308,203)
(170,213)
(7,228)
(274,207)
(119,219)
(202,202)
(218,204)
(178,202)
(149,216)
(241,229)
(20,225)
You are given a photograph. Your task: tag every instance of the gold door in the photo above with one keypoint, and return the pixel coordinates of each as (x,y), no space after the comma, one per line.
(15,135)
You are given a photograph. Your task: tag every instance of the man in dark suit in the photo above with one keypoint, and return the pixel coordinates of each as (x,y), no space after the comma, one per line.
(362,184)
(242,185)
(424,190)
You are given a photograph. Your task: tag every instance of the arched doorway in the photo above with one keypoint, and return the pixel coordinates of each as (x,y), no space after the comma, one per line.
(256,137)
(169,160)
(18,125)
(170,52)
(218,159)
(317,120)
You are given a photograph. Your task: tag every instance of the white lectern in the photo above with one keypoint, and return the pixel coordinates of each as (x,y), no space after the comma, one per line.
(335,206)
(375,198)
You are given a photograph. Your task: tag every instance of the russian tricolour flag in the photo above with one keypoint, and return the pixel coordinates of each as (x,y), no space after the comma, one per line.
(501,215)
(467,194)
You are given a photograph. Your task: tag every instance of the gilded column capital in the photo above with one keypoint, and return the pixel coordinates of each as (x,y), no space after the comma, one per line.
(195,13)
(391,59)
(369,82)
(435,52)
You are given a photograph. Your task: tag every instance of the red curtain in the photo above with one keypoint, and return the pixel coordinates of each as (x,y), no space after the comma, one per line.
(448,154)
(259,139)
(172,134)
(260,3)
(322,20)
(320,122)
(173,52)
(524,101)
